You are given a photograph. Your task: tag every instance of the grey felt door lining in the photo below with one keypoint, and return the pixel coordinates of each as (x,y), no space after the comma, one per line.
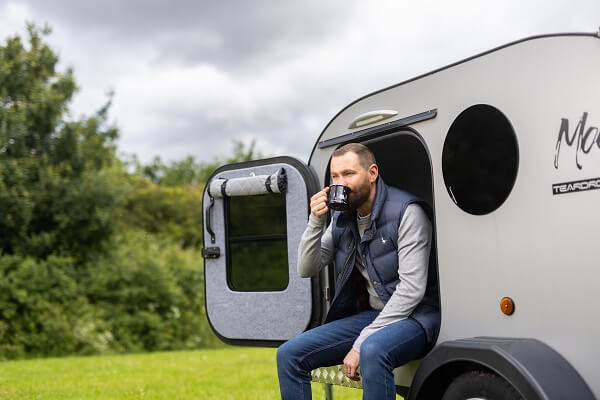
(267,315)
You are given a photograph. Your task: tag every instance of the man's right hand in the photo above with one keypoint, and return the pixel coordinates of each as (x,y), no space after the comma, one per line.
(318,203)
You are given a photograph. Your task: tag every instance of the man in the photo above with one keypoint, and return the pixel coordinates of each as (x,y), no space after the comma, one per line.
(385,311)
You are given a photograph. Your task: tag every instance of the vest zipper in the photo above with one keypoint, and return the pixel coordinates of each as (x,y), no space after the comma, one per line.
(345,266)
(343,273)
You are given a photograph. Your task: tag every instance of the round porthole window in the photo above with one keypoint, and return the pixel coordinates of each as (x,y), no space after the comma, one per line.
(480,159)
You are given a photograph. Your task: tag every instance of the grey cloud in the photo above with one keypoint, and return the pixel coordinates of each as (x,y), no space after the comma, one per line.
(277,133)
(224,33)
(351,48)
(203,139)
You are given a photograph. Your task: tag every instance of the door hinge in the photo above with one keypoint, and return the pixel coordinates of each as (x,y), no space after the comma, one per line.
(211,252)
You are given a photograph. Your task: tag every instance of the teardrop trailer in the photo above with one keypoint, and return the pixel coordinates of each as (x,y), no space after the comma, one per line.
(505,147)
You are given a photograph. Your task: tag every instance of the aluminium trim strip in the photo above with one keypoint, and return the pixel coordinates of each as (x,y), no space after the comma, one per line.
(379,130)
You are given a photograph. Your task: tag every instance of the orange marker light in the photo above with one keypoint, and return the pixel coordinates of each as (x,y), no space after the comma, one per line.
(507,305)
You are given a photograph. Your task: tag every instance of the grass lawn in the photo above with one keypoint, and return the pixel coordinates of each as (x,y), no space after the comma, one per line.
(226,373)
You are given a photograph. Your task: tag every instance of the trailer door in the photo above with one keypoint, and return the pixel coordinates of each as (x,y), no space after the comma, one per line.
(254,215)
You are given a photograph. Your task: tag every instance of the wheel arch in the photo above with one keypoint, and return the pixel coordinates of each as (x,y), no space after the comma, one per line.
(533,368)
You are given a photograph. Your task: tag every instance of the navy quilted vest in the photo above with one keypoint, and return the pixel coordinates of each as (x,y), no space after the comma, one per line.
(380,257)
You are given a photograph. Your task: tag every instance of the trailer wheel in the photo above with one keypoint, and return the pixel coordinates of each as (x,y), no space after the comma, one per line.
(480,385)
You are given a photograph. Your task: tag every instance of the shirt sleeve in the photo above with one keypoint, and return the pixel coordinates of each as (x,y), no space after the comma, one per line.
(414,245)
(316,248)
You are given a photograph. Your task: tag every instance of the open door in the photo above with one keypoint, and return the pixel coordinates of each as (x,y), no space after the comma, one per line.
(254,215)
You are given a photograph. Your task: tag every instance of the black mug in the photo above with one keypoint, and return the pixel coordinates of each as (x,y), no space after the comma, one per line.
(339,198)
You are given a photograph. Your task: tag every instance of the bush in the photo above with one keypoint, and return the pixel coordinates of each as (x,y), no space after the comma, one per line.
(40,303)
(145,295)
(171,211)
(149,292)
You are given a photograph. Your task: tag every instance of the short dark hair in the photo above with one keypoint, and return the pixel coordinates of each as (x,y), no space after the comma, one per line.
(365,155)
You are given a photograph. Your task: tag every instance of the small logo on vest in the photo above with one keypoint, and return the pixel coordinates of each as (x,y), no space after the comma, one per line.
(383,240)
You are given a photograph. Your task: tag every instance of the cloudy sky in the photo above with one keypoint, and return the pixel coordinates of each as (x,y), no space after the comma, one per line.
(190,77)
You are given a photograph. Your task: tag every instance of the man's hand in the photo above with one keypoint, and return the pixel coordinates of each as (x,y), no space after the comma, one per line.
(318,203)
(351,362)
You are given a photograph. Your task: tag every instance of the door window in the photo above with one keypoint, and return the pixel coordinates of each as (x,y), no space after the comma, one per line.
(257,242)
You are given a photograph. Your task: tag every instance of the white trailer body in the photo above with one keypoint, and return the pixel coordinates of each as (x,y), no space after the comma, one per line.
(506,147)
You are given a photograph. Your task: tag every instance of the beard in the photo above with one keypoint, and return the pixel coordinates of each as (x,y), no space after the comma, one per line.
(359,195)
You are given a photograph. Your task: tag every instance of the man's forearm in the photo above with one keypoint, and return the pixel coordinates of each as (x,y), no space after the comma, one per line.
(315,249)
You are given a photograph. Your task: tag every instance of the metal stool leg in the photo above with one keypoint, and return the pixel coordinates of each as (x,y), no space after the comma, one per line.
(328,391)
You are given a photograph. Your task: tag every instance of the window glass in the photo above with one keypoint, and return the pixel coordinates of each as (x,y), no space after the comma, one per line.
(480,159)
(257,239)
(257,215)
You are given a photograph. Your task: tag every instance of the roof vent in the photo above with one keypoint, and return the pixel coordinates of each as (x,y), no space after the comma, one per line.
(371,117)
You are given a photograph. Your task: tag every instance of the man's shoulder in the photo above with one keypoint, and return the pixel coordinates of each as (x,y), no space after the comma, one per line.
(400,198)
(401,201)
(416,212)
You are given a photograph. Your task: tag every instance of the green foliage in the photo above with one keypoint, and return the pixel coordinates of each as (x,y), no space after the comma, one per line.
(33,95)
(148,293)
(186,172)
(171,211)
(145,295)
(39,304)
(92,259)
(54,189)
(191,172)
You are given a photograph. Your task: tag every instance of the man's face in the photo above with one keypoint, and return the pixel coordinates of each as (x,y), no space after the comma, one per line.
(346,170)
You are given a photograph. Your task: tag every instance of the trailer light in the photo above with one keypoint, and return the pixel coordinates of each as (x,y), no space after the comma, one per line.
(507,305)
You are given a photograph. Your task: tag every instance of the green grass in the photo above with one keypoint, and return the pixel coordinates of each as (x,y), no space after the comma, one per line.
(226,373)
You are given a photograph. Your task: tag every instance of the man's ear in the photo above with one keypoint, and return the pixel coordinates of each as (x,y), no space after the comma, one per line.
(373,172)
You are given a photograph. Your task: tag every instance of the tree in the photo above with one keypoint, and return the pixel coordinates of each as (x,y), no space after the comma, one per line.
(58,196)
(55,189)
(92,259)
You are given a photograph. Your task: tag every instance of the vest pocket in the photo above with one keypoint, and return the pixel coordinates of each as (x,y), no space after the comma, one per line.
(380,245)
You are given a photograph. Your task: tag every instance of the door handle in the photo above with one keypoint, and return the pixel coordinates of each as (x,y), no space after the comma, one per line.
(208,220)
(210,252)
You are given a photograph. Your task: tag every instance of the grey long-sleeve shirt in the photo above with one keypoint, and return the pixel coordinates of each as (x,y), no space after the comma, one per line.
(316,250)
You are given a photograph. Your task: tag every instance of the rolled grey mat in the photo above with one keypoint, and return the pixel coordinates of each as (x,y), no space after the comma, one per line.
(249,185)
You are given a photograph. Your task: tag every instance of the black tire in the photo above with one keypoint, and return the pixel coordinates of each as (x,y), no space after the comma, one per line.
(480,385)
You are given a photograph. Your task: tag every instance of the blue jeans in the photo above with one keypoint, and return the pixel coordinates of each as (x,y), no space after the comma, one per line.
(328,344)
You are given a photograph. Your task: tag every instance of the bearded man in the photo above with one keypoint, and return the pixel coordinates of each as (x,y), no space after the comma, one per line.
(385,310)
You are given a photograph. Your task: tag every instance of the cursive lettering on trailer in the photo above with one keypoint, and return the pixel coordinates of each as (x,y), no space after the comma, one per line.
(586,139)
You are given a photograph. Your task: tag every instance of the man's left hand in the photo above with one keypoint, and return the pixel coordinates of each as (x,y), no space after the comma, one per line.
(351,362)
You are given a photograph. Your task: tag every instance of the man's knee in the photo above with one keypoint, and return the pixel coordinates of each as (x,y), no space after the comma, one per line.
(371,353)
(288,353)
(283,353)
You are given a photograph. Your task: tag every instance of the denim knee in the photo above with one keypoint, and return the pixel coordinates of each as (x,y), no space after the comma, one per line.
(288,356)
(372,356)
(284,354)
